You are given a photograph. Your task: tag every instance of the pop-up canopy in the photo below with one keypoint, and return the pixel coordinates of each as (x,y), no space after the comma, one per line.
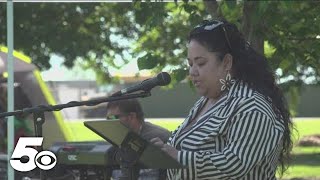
(29,80)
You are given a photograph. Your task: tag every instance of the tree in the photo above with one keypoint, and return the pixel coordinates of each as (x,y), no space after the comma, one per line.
(155,34)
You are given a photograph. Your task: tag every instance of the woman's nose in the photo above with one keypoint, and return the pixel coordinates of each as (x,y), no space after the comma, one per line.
(193,71)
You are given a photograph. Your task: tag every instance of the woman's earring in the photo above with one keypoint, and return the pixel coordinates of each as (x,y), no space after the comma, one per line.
(226,83)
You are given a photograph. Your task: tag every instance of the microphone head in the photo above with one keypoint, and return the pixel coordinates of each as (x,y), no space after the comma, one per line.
(163,79)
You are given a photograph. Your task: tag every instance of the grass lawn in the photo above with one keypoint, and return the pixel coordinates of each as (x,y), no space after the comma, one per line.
(306,160)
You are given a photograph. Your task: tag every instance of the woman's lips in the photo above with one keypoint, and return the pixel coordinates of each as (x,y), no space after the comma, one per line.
(196,83)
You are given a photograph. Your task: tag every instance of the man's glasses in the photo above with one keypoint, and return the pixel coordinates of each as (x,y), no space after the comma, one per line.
(115,116)
(211,25)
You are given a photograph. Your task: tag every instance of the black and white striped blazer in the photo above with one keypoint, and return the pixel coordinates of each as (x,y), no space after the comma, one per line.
(240,137)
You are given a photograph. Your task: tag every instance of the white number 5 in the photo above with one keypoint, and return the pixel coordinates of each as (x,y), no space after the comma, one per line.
(22,150)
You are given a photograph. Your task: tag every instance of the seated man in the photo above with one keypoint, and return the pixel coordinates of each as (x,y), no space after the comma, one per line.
(130,113)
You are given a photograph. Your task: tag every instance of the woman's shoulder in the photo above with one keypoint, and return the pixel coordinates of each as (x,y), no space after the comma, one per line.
(246,92)
(248,99)
(256,103)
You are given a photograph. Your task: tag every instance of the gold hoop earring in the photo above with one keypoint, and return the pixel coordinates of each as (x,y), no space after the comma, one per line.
(226,83)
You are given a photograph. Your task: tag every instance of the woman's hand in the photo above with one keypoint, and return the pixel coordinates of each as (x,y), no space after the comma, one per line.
(165,147)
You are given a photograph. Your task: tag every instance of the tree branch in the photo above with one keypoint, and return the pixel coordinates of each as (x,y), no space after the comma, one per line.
(303,38)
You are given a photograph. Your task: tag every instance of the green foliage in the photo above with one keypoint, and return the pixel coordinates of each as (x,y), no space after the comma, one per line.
(180,74)
(148,61)
(231,4)
(109,35)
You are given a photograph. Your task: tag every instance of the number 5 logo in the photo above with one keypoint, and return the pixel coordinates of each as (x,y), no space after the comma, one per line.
(44,160)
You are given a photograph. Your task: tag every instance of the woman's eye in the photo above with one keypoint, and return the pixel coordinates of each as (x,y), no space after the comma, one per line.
(201,64)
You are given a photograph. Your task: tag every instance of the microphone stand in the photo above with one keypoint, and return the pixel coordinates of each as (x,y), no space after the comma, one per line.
(39,117)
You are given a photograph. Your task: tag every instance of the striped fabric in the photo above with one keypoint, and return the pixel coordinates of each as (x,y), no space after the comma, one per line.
(240,137)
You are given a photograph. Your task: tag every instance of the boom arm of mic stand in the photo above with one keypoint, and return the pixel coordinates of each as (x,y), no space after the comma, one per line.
(49,108)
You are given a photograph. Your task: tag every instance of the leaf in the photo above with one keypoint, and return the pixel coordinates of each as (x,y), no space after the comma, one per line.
(189,8)
(231,4)
(268,49)
(148,61)
(180,74)
(285,63)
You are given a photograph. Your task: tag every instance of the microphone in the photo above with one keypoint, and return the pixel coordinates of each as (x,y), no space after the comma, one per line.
(162,79)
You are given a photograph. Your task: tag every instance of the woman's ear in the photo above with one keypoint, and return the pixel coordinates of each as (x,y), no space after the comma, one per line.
(227,62)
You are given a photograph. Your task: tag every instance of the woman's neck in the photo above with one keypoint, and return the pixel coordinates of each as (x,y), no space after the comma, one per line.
(213,100)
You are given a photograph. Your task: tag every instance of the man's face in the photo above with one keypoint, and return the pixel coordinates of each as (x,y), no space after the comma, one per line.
(127,119)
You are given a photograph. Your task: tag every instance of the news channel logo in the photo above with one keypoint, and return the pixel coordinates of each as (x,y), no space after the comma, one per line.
(26,158)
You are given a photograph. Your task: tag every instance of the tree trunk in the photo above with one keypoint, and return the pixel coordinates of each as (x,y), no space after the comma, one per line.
(212,8)
(249,26)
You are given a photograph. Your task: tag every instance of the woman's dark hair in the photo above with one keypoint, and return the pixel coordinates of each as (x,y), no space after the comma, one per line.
(128,106)
(248,66)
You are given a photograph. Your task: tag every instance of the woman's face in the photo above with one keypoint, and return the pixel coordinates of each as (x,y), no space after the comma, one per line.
(205,70)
